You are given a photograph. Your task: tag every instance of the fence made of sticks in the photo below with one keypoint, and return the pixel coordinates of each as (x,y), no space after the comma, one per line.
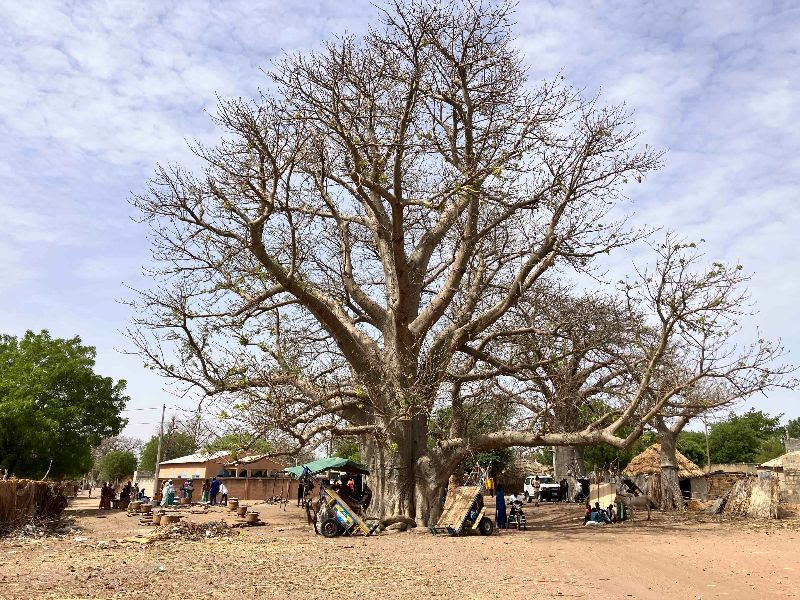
(25,500)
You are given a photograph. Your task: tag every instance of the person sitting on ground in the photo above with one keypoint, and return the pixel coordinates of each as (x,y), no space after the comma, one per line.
(602,516)
(612,517)
(587,513)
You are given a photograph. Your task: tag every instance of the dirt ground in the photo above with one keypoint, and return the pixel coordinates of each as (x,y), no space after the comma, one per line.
(685,556)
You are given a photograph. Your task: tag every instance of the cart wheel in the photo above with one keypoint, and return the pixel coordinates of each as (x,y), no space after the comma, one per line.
(486,527)
(330,527)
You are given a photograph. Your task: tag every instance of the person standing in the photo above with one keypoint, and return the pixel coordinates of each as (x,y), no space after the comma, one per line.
(167,493)
(213,491)
(500,509)
(188,489)
(205,490)
(301,490)
(537,490)
(223,490)
(489,485)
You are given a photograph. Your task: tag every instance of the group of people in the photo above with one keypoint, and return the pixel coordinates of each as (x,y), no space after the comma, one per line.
(211,490)
(596,514)
(107,495)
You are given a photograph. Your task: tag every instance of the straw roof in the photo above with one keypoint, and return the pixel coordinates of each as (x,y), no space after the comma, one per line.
(529,466)
(649,463)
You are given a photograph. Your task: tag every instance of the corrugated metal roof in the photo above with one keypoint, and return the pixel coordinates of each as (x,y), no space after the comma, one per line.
(200,457)
(333,463)
(778,462)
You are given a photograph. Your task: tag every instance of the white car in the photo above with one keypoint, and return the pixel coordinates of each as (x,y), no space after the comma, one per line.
(548,488)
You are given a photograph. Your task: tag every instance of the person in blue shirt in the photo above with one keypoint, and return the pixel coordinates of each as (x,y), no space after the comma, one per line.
(501,519)
(214,490)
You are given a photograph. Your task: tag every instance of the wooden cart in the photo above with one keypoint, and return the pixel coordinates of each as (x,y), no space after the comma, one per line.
(338,518)
(464,511)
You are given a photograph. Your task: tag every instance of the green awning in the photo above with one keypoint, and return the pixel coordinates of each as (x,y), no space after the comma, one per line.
(333,463)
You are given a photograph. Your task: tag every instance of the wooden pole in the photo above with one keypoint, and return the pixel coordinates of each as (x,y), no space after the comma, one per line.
(158,451)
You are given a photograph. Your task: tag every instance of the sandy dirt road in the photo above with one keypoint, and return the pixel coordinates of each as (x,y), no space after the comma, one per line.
(670,557)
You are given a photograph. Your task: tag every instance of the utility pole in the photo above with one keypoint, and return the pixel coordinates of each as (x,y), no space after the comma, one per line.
(708,451)
(158,451)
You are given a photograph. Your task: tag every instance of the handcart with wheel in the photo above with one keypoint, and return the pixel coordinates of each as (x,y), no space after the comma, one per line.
(464,511)
(339,518)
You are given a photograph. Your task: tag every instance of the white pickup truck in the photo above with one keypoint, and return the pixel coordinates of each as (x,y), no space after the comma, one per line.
(548,488)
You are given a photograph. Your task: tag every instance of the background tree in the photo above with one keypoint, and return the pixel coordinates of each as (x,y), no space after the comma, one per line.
(745,438)
(176,442)
(603,457)
(53,407)
(705,365)
(117,465)
(350,259)
(116,443)
(692,444)
(236,442)
(793,428)
(347,448)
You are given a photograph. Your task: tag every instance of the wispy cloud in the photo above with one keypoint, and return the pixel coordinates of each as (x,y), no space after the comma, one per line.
(93,94)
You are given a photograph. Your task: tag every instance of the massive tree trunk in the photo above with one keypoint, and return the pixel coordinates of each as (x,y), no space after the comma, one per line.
(568,464)
(671,498)
(405,479)
(567,458)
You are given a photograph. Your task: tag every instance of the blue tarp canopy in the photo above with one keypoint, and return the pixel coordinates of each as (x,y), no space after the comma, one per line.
(333,463)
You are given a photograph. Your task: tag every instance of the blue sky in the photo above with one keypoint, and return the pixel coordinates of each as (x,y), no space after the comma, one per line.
(93,94)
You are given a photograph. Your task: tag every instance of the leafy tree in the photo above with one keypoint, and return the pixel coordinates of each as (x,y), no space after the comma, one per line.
(793,428)
(117,443)
(544,456)
(692,444)
(347,448)
(53,407)
(604,456)
(116,465)
(499,460)
(235,442)
(175,444)
(741,438)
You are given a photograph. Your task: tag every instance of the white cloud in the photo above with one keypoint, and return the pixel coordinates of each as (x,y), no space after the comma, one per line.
(92,94)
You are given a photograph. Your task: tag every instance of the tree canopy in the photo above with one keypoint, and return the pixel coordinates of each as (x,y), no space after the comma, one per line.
(116,465)
(793,428)
(376,249)
(234,442)
(53,406)
(175,443)
(752,437)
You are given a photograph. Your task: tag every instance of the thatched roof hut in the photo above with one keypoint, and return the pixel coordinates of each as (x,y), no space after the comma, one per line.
(513,477)
(649,463)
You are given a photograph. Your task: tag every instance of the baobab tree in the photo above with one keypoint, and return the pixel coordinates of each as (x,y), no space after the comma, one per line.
(708,364)
(363,233)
